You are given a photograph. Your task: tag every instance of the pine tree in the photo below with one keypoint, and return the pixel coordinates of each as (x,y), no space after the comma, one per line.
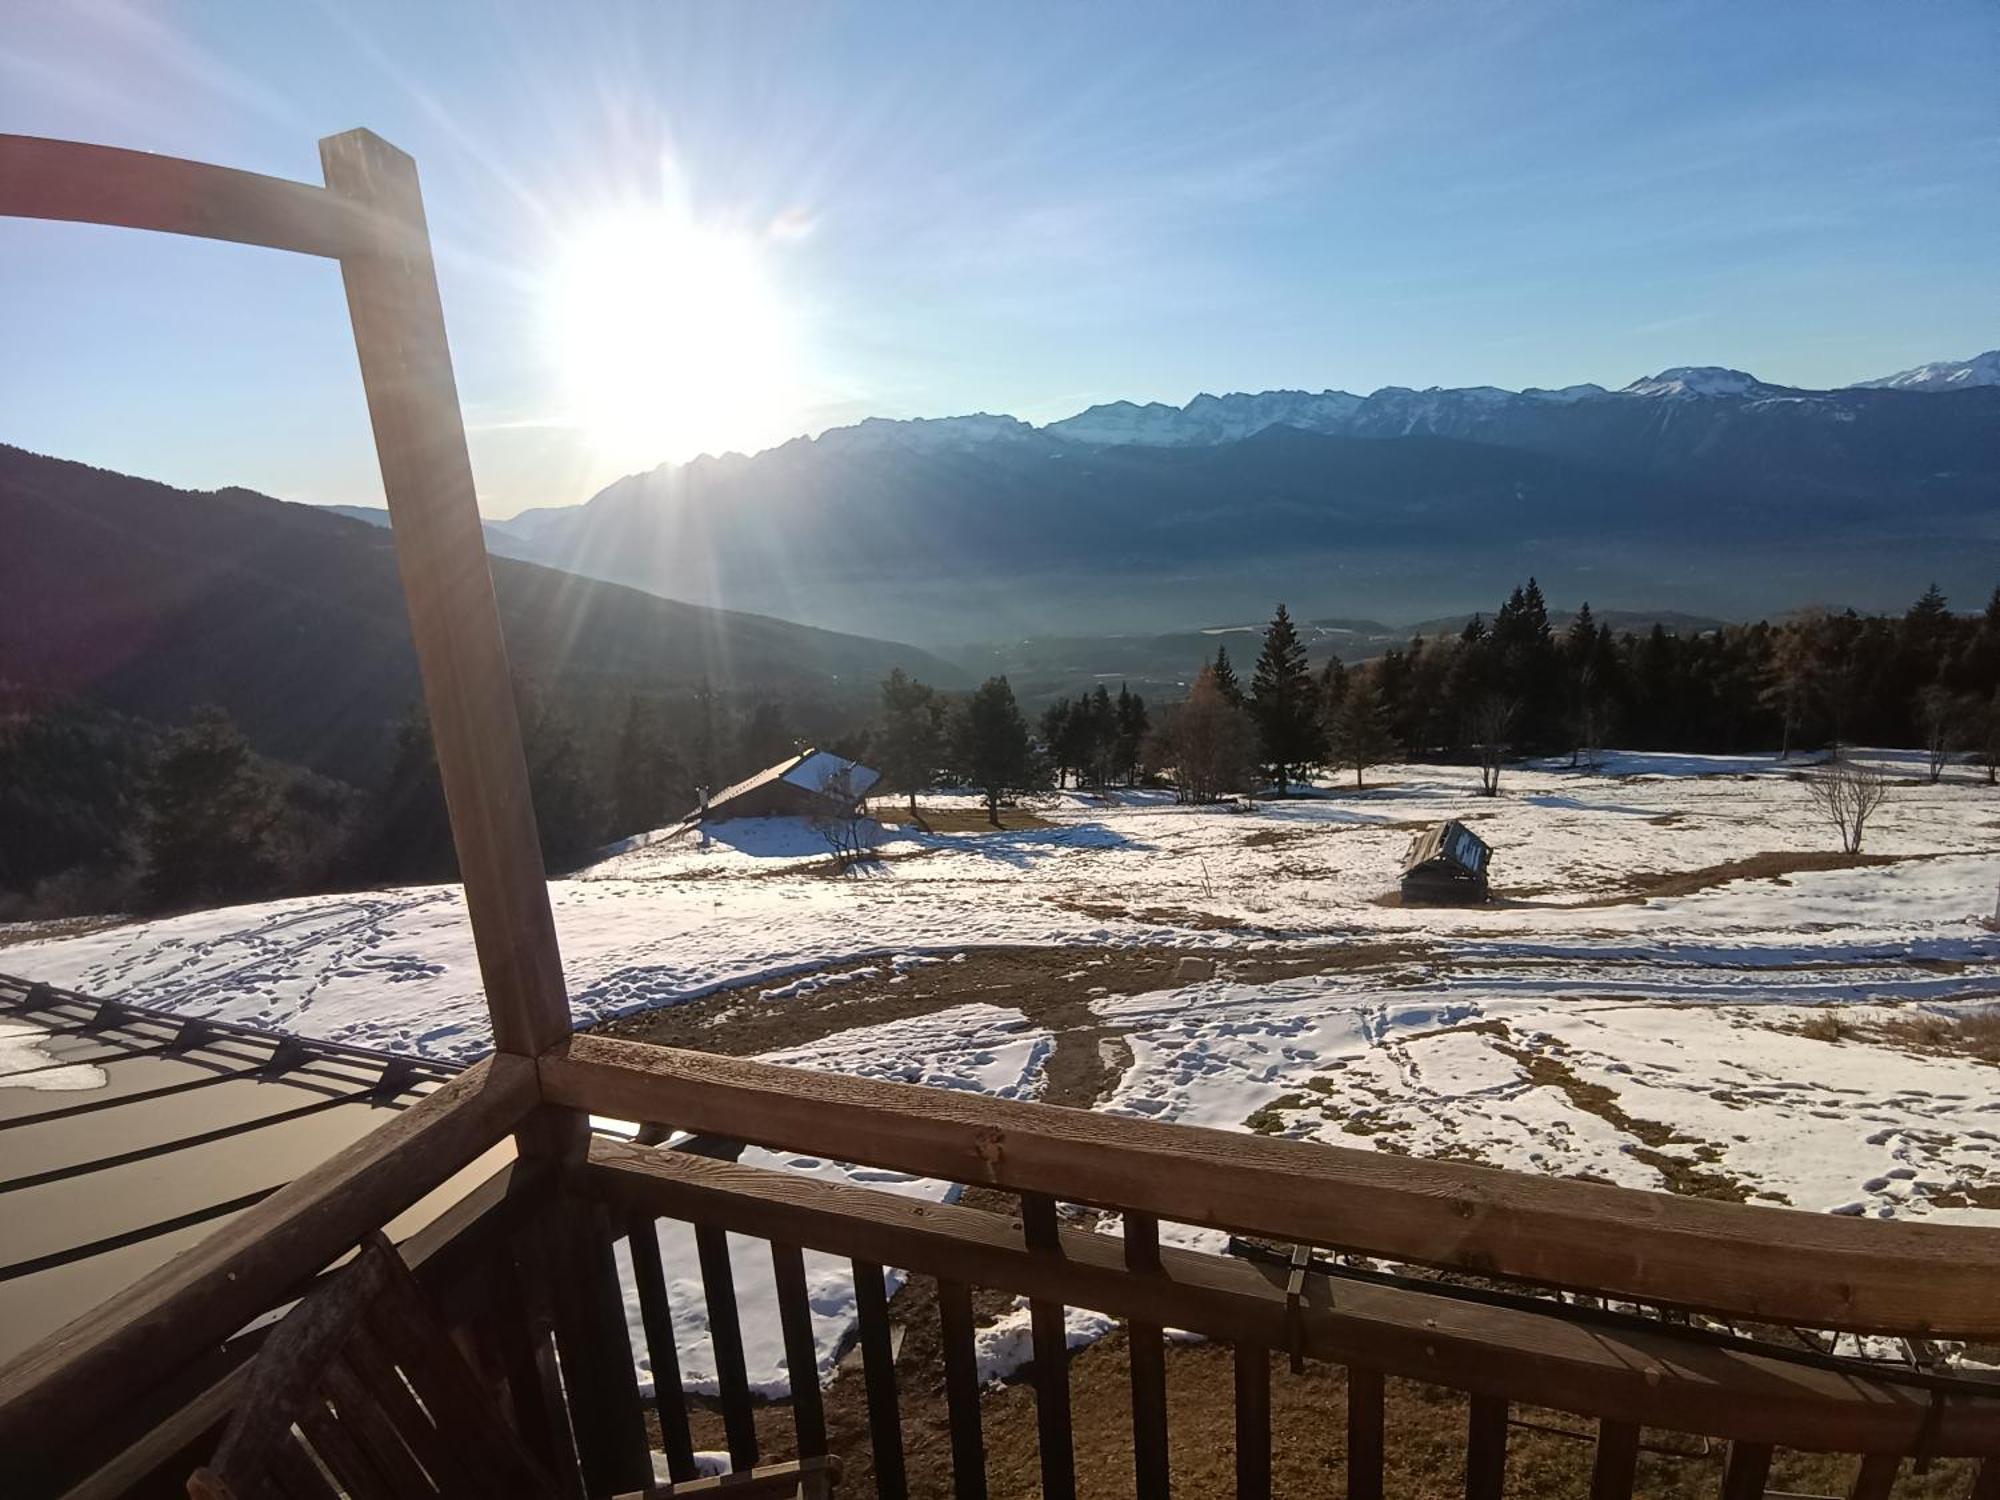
(412,830)
(910,736)
(1225,678)
(767,738)
(1102,731)
(992,744)
(211,811)
(1059,738)
(1284,704)
(1528,668)
(565,810)
(1332,691)
(1131,739)
(1361,730)
(645,777)
(704,743)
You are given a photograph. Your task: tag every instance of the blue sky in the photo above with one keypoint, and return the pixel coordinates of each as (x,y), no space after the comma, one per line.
(935,209)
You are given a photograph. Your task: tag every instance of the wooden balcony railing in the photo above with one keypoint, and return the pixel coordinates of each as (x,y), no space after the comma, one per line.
(525,1274)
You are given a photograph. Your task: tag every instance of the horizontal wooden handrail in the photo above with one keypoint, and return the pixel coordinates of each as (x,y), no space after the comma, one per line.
(1541,1359)
(1770,1264)
(110,1355)
(88,184)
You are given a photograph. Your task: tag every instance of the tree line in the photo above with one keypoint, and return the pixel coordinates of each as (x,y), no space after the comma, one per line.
(100,812)
(1516,685)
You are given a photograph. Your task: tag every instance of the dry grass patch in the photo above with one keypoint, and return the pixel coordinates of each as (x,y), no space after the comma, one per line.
(1974,1036)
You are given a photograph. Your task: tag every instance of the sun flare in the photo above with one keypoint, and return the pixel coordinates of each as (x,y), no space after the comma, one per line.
(670,338)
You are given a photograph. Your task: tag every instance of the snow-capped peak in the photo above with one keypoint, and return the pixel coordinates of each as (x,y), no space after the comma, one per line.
(1588,391)
(925,434)
(1697,380)
(1945,375)
(1207,419)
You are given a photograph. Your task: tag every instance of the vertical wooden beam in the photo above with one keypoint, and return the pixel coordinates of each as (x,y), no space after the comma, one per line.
(788,1273)
(725,1337)
(649,1275)
(1747,1472)
(392,298)
(878,1371)
(1149,1366)
(1048,1330)
(1617,1461)
(961,1389)
(1876,1477)
(1364,1433)
(1486,1449)
(1253,1422)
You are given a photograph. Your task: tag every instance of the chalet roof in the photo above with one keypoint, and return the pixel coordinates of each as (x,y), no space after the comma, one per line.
(1452,842)
(126,1135)
(810,770)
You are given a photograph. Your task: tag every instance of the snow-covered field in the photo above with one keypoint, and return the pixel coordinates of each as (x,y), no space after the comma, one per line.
(1602,1017)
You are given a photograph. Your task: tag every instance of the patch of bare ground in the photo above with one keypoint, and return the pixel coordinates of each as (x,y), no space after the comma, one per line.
(1162,916)
(1691,1175)
(1774,866)
(1052,987)
(1272,838)
(1778,866)
(56,927)
(959,819)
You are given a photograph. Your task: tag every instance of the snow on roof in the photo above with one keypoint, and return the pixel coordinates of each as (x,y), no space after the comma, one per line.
(810,770)
(816,769)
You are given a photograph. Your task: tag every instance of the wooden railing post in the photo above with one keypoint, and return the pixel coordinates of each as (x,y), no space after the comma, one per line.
(392,297)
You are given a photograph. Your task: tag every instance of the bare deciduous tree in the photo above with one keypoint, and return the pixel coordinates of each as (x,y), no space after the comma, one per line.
(1937,719)
(841,819)
(1847,793)
(1490,727)
(1206,744)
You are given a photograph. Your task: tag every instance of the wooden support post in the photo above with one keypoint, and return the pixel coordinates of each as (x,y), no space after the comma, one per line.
(1617,1461)
(1486,1449)
(1149,1365)
(961,1389)
(1253,1422)
(788,1276)
(878,1372)
(1747,1472)
(1049,1331)
(392,298)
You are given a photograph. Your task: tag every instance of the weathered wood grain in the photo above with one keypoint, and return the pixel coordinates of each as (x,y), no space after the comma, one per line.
(392,300)
(1753,1262)
(1529,1357)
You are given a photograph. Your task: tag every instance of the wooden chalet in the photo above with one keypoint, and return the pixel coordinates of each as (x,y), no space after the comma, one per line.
(1446,866)
(312,1343)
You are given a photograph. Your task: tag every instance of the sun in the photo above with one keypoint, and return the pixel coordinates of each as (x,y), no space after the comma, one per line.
(670,338)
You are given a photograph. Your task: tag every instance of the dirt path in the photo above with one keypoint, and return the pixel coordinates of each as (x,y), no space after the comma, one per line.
(1052,987)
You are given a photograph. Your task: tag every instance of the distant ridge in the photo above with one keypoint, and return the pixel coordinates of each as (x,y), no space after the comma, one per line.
(1699,489)
(152,600)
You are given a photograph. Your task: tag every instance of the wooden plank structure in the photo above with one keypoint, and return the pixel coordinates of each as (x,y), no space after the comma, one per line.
(519,1282)
(1446,865)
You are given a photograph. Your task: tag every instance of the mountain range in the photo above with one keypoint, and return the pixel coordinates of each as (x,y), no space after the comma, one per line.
(1698,489)
(152,600)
